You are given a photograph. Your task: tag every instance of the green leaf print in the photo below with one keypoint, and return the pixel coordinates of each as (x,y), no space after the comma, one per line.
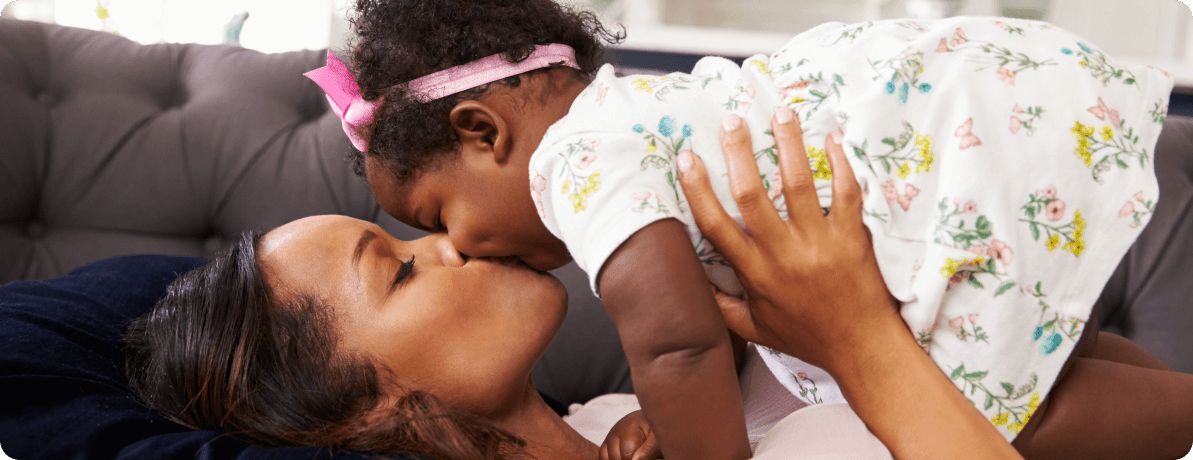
(1004,288)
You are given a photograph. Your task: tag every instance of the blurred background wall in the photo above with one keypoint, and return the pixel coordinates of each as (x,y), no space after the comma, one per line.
(1139,31)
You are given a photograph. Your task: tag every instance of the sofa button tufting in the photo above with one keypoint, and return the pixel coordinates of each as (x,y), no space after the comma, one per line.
(35,230)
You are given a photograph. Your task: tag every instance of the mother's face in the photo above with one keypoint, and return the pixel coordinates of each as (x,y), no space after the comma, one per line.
(467,331)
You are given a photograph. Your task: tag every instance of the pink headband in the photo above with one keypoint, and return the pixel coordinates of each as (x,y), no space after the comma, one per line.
(354,112)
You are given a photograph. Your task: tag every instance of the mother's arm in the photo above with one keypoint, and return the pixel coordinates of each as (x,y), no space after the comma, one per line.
(815,293)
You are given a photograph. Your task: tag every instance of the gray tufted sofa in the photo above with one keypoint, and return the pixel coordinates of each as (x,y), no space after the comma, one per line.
(108,147)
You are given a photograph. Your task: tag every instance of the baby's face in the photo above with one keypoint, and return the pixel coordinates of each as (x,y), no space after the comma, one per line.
(486,213)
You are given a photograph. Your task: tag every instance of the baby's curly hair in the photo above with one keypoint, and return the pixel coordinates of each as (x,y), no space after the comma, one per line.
(400,40)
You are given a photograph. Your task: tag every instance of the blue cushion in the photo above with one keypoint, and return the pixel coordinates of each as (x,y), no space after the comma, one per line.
(63,393)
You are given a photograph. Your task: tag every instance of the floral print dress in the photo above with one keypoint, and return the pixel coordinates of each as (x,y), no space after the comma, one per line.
(1006,167)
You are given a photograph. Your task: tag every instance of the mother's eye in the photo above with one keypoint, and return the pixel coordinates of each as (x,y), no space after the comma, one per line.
(403,274)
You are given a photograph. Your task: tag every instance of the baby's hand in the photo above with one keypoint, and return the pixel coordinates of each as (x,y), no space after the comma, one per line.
(631,439)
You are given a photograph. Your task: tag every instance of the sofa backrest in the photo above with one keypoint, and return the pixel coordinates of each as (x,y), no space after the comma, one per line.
(109,147)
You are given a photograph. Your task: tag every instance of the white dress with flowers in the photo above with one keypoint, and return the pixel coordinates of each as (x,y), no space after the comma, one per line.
(1006,167)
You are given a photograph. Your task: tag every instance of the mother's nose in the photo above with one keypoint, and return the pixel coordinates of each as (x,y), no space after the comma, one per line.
(446,251)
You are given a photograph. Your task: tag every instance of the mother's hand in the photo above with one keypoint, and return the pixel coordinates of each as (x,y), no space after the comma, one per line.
(815,293)
(812,281)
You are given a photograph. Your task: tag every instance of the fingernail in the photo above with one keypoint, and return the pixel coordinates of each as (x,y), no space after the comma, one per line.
(784,115)
(731,122)
(836,137)
(685,161)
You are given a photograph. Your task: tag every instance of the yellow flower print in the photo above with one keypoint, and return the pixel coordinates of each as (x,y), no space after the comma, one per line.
(580,199)
(950,267)
(798,99)
(760,66)
(1081,132)
(820,162)
(567,185)
(651,147)
(904,171)
(1077,246)
(1031,410)
(1107,133)
(1000,419)
(642,84)
(925,143)
(1052,243)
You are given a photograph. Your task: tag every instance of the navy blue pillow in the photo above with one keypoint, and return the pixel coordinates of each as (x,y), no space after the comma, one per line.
(63,393)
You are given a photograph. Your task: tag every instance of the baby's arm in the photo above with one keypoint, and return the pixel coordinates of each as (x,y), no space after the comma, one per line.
(677,344)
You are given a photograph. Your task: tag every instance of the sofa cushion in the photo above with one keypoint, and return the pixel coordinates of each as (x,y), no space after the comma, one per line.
(113,148)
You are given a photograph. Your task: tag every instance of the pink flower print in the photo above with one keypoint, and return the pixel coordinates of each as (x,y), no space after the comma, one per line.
(586,159)
(1016,123)
(979,250)
(1007,76)
(959,37)
(802,375)
(1139,197)
(1128,209)
(909,192)
(776,187)
(537,185)
(1103,112)
(1000,24)
(965,132)
(658,198)
(943,47)
(1018,109)
(641,196)
(973,318)
(750,91)
(745,106)
(888,191)
(1055,210)
(957,323)
(789,90)
(602,91)
(1001,251)
(971,207)
(1049,193)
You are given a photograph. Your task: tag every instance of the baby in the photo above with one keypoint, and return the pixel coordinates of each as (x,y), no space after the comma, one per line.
(1006,165)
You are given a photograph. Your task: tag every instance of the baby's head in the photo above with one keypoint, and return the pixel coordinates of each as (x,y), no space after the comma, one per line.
(459,163)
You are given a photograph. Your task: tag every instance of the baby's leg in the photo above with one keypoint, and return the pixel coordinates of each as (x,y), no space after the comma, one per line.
(1127,405)
(1114,347)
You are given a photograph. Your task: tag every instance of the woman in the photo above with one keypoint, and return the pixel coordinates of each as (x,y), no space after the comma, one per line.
(322,332)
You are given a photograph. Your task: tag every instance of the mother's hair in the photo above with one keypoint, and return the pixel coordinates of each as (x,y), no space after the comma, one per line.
(222,351)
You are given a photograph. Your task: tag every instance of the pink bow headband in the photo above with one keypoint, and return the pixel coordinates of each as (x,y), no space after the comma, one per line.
(343,93)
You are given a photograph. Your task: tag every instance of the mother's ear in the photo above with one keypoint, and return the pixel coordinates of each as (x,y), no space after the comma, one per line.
(481,129)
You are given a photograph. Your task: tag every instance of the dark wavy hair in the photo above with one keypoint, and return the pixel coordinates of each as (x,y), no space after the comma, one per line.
(397,41)
(223,352)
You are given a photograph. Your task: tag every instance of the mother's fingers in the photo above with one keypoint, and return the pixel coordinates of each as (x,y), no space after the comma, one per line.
(714,223)
(745,182)
(847,195)
(798,189)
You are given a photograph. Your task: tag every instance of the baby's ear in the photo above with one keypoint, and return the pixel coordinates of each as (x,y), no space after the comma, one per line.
(480,129)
